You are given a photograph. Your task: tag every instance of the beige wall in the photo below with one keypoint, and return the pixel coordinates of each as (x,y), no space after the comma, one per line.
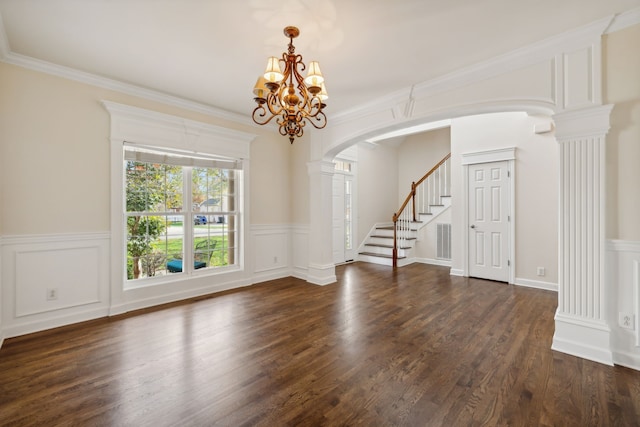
(621,52)
(418,154)
(377,187)
(536,191)
(299,180)
(55,153)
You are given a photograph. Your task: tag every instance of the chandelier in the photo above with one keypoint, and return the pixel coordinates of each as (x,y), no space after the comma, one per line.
(289,97)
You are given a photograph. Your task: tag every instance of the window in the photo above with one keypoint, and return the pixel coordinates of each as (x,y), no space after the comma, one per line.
(181,213)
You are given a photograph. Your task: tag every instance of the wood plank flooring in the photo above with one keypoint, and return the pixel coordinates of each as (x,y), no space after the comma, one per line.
(410,347)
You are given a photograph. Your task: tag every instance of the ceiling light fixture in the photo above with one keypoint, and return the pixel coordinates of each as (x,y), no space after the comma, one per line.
(288,96)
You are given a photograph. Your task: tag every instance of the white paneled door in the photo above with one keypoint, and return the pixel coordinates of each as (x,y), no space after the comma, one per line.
(489,220)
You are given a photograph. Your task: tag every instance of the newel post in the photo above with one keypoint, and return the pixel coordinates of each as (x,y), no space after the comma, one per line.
(413,200)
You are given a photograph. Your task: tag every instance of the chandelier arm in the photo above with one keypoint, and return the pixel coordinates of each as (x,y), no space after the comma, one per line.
(320,118)
(259,115)
(273,103)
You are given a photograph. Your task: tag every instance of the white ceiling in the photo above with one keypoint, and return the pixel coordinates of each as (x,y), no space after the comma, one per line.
(211,51)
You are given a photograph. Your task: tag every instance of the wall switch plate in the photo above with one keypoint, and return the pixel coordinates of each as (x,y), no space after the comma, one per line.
(625,320)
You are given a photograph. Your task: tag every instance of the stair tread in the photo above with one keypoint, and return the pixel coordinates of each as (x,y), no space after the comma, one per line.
(380,237)
(378,255)
(436,205)
(382,245)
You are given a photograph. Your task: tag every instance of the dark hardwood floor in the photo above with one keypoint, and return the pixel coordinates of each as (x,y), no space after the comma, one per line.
(412,347)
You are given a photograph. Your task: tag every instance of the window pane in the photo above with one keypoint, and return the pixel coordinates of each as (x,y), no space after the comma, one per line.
(151,242)
(215,239)
(153,187)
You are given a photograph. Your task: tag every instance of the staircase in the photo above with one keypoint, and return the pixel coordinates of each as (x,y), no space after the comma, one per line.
(392,243)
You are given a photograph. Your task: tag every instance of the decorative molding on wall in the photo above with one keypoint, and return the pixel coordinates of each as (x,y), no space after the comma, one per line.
(80,76)
(74,267)
(624,20)
(623,280)
(488,156)
(271,249)
(142,126)
(534,53)
(300,251)
(623,246)
(585,123)
(537,284)
(636,290)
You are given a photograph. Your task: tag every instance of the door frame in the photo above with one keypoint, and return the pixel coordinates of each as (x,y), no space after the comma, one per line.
(489,156)
(353,176)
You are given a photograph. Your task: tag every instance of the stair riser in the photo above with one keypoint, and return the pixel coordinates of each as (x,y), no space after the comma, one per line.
(383,251)
(380,240)
(378,250)
(384,232)
(376,260)
(389,233)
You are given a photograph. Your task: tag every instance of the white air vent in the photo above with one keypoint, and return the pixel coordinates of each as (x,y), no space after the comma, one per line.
(444,241)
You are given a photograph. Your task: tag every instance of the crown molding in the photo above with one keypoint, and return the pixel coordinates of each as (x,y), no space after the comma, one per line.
(6,55)
(527,55)
(513,60)
(624,20)
(118,86)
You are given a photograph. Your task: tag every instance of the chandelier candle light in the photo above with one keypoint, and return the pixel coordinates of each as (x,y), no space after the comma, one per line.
(288,96)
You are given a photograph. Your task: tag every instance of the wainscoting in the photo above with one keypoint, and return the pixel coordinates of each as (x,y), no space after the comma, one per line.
(623,278)
(272,252)
(48,281)
(53,280)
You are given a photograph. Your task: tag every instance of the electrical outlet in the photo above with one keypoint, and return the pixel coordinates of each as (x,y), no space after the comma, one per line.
(52,294)
(540,271)
(625,320)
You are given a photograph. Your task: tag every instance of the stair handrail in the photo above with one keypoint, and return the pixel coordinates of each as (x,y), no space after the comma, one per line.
(411,198)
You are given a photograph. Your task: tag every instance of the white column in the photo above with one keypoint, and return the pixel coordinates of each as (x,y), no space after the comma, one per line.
(581,326)
(321,267)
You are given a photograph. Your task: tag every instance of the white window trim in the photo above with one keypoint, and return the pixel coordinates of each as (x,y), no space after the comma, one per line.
(137,126)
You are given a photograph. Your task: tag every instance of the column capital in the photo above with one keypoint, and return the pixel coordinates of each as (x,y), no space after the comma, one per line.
(583,123)
(321,167)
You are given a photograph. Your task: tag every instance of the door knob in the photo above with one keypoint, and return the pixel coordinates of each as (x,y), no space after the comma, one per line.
(473,226)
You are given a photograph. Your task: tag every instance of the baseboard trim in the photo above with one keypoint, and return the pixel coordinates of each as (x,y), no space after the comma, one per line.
(53,322)
(626,359)
(536,284)
(583,338)
(153,301)
(266,276)
(457,272)
(431,261)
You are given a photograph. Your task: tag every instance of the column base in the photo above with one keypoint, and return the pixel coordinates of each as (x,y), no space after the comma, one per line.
(321,274)
(583,338)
